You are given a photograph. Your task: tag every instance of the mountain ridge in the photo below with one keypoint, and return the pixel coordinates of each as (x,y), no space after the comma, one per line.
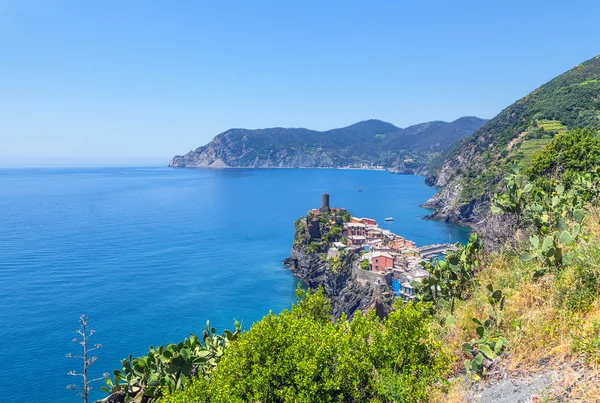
(366,144)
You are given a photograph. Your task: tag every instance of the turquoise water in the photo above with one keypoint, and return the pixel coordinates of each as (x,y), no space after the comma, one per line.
(149,254)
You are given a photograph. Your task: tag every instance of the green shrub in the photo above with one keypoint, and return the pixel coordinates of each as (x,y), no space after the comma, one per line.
(577,150)
(587,342)
(301,356)
(579,286)
(365,265)
(196,392)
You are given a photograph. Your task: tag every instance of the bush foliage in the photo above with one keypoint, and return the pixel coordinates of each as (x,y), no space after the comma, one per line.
(301,356)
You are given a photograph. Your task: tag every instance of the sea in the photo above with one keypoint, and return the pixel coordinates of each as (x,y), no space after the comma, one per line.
(150,254)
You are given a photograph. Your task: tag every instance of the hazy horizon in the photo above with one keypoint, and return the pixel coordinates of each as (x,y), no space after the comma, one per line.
(124,82)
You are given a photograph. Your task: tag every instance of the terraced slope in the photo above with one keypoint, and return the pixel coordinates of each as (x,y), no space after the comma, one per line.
(471,170)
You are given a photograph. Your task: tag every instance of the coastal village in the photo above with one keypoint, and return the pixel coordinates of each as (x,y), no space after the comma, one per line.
(385,257)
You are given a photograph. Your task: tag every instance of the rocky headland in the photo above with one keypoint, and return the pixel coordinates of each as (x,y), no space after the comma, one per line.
(359,265)
(316,261)
(371,144)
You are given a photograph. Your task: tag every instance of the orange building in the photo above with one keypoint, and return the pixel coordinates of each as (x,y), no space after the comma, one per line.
(381,261)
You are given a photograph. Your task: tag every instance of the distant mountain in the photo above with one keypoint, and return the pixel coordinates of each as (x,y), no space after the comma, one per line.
(367,144)
(469,172)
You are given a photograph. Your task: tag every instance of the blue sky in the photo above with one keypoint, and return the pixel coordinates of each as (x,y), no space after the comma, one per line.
(135,82)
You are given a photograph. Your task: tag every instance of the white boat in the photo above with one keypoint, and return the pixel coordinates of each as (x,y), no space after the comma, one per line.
(388,219)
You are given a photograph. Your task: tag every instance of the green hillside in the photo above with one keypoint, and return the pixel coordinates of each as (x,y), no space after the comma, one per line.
(571,100)
(371,143)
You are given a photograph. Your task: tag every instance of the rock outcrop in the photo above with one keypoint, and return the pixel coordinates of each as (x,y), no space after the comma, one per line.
(342,286)
(117,397)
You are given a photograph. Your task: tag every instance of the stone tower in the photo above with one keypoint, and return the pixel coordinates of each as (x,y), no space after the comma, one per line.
(324,203)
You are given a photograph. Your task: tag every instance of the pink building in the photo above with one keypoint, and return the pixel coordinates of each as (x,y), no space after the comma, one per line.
(356,229)
(357,240)
(381,261)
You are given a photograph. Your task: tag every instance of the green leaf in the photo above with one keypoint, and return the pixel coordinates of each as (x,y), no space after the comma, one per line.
(566,238)
(562,224)
(450,320)
(497,295)
(480,331)
(578,215)
(526,256)
(568,258)
(485,349)
(576,229)
(466,347)
(547,243)
(479,359)
(185,353)
(498,346)
(536,208)
(527,188)
(519,180)
(535,241)
(495,209)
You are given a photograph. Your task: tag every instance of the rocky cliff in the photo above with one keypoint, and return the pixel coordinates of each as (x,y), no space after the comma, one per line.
(342,287)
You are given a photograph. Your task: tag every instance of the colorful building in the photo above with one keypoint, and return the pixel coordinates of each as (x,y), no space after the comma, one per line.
(381,261)
(357,240)
(355,229)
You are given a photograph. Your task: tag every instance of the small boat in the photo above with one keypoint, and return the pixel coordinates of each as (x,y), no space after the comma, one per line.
(360,190)
(388,219)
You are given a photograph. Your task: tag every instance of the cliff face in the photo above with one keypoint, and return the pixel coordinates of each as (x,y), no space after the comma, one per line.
(342,287)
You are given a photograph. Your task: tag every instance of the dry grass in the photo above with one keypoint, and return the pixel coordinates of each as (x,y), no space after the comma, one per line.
(541,330)
(592,223)
(456,393)
(577,386)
